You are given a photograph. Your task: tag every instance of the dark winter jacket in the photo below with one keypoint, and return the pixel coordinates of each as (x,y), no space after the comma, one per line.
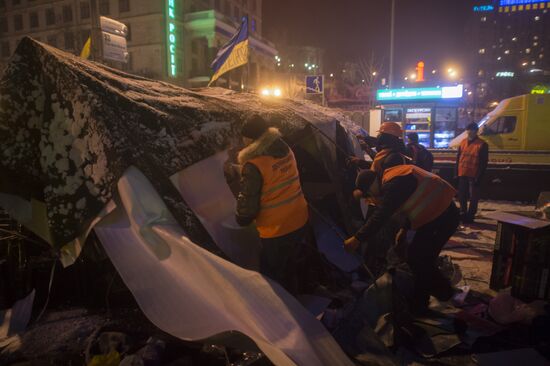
(421,157)
(248,200)
(394,194)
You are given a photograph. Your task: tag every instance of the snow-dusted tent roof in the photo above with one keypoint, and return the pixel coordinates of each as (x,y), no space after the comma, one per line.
(69,129)
(83,144)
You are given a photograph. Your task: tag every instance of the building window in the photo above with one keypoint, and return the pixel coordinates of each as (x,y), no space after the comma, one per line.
(236,13)
(130,63)
(194,47)
(481,51)
(33,19)
(527,50)
(3,25)
(541,56)
(18,22)
(217,5)
(69,40)
(52,40)
(50,16)
(84,10)
(84,35)
(104,7)
(123,6)
(5,49)
(227,8)
(129,32)
(67,13)
(253,4)
(535,44)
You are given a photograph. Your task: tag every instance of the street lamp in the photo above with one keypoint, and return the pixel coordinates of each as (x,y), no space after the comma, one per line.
(392,26)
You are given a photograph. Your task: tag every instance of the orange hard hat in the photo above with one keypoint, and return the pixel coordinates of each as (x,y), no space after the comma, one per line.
(391,128)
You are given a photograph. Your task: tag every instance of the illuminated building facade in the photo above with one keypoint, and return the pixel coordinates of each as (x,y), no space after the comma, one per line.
(509,48)
(172,40)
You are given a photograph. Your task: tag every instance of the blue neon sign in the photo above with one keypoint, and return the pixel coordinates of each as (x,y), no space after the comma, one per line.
(482,8)
(446,92)
(519,2)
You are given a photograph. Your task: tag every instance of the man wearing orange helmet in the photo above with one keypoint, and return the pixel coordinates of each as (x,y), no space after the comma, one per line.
(390,148)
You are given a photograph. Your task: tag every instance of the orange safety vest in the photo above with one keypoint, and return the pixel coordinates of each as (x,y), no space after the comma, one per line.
(379,160)
(431,198)
(283,208)
(468,163)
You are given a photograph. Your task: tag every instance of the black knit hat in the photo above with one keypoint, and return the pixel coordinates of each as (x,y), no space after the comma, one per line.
(365,179)
(472,127)
(413,136)
(254,127)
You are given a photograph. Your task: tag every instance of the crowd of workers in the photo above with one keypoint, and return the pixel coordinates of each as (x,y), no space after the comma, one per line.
(397,184)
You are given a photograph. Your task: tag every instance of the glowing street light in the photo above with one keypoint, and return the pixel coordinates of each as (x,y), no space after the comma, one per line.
(412,76)
(266,92)
(374,73)
(277,92)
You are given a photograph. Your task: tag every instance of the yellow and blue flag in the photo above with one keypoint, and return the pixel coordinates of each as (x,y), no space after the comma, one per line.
(233,54)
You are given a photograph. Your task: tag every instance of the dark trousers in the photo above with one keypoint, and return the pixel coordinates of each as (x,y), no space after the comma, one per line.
(423,253)
(467,188)
(280,257)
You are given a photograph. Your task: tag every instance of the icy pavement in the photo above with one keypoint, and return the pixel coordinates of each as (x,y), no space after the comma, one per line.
(471,248)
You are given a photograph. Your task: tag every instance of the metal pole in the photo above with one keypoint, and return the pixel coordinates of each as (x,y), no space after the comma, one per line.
(392,33)
(96,47)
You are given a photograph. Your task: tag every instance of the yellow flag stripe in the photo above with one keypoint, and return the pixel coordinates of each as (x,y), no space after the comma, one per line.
(85,53)
(238,57)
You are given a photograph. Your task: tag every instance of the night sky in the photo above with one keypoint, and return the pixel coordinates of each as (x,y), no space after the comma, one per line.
(428,30)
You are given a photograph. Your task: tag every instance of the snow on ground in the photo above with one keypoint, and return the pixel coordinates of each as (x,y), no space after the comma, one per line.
(471,248)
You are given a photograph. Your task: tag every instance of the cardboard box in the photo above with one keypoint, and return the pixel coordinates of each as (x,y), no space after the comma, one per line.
(521,258)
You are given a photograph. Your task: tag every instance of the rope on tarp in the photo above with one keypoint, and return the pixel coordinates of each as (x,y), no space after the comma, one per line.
(52,272)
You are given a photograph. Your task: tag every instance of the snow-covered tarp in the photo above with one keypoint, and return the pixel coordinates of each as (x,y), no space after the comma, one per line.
(77,139)
(70,128)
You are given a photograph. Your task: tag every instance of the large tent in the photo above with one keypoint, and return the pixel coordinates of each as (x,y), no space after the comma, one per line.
(147,165)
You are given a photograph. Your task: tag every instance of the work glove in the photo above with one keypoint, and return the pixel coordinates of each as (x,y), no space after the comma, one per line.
(351,244)
(352,161)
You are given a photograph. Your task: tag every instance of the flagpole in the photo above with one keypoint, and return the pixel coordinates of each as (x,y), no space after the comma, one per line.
(248,57)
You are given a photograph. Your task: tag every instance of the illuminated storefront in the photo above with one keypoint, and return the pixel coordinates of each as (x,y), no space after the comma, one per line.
(430,112)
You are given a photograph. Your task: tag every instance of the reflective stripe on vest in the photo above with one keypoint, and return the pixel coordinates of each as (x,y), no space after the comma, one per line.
(468,164)
(431,198)
(379,160)
(283,208)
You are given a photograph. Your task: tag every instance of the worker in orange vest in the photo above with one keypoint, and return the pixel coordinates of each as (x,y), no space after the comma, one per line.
(271,196)
(424,202)
(471,163)
(390,150)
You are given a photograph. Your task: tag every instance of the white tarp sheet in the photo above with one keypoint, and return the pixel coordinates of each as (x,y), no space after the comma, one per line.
(204,189)
(193,294)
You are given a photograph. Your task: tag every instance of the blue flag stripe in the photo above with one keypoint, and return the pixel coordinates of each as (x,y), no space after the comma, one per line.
(222,55)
